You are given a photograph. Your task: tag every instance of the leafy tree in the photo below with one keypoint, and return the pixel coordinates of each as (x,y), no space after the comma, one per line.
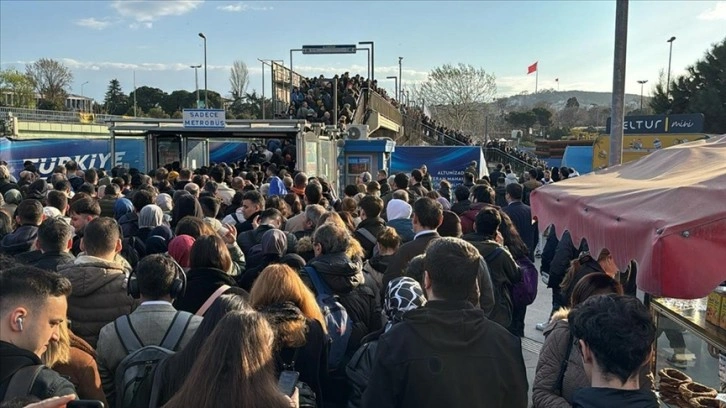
(20,86)
(701,90)
(544,116)
(158,113)
(115,102)
(558,133)
(238,79)
(572,103)
(457,93)
(178,100)
(521,119)
(52,80)
(147,97)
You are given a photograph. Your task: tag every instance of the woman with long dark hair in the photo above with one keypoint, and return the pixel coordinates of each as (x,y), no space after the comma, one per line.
(290,307)
(235,367)
(173,371)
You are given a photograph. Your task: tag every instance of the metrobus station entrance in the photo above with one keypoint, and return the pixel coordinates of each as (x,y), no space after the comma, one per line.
(168,141)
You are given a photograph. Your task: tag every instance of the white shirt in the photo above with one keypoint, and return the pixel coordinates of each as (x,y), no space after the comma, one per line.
(424,232)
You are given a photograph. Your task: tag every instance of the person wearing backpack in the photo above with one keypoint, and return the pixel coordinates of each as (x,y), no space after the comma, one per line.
(32,306)
(349,307)
(503,269)
(131,338)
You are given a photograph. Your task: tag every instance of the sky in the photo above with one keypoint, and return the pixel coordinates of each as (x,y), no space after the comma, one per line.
(158,40)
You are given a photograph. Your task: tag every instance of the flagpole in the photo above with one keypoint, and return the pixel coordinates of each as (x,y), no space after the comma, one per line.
(536,79)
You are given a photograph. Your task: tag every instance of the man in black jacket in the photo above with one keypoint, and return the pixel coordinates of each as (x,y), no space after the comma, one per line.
(448,353)
(28,217)
(270,218)
(371,224)
(32,306)
(615,335)
(53,243)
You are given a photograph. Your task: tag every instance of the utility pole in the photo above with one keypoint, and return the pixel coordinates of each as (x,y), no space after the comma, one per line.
(196,80)
(618,95)
(642,82)
(670,55)
(135,115)
(206,100)
(400,81)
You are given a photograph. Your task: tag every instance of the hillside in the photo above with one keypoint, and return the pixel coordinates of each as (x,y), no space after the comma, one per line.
(557,100)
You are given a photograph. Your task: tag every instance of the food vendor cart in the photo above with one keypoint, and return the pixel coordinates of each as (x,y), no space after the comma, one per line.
(667,212)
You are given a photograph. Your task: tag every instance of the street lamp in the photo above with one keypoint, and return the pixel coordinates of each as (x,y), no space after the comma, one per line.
(642,82)
(83,98)
(196,79)
(400,78)
(670,54)
(395,84)
(373,60)
(206,101)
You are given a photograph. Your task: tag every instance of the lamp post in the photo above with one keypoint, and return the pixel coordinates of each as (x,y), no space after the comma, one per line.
(400,78)
(373,60)
(83,98)
(642,82)
(395,84)
(196,80)
(670,54)
(206,100)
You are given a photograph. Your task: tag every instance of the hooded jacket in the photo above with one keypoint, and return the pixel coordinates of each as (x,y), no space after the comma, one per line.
(468,218)
(447,353)
(98,296)
(404,228)
(249,239)
(20,240)
(557,334)
(345,278)
(47,384)
(374,226)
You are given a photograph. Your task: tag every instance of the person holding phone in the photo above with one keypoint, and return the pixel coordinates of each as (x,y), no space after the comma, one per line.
(242,345)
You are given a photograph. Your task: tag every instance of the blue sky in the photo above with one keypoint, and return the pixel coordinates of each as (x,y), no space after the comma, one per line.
(571,40)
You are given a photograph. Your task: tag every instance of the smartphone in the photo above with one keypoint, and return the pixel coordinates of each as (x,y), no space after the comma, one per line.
(79,403)
(287,382)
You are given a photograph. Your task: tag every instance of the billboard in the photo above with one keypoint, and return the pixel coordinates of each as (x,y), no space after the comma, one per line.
(443,162)
(637,146)
(227,152)
(657,124)
(88,153)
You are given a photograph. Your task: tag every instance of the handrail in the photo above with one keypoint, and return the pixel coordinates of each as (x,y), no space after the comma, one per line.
(360,108)
(510,158)
(42,115)
(440,137)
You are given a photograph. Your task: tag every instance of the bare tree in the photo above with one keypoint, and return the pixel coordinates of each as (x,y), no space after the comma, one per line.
(52,80)
(238,79)
(457,95)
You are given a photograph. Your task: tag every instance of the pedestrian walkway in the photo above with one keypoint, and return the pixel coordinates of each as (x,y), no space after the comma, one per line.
(537,312)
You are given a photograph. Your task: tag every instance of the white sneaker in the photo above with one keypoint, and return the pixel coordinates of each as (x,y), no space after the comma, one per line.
(541,326)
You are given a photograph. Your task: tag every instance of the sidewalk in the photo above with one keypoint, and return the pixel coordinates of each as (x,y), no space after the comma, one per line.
(537,312)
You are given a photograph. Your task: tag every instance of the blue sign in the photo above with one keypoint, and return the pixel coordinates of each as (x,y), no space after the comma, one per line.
(442,162)
(204,118)
(227,152)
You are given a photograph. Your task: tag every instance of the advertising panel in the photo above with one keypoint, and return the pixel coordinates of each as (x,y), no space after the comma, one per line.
(227,152)
(443,162)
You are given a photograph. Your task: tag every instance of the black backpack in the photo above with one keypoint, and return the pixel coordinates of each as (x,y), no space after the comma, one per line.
(306,394)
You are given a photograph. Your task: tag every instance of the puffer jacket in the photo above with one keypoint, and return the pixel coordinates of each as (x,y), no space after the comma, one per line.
(98,295)
(19,241)
(345,278)
(557,334)
(404,228)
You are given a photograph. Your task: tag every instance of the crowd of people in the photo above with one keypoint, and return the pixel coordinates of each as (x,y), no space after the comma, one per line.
(445,135)
(253,285)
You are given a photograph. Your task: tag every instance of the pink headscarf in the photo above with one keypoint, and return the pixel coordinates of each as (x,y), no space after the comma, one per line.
(180,248)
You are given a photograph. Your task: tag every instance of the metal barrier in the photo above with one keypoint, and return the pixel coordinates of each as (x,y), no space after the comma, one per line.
(40,115)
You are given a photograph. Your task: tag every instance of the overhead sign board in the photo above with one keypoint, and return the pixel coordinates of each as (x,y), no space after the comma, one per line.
(655,124)
(329,49)
(204,118)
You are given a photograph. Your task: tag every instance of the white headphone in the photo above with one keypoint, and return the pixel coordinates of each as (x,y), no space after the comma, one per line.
(19,321)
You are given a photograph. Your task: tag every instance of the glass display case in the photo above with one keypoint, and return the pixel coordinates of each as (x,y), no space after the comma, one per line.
(687,342)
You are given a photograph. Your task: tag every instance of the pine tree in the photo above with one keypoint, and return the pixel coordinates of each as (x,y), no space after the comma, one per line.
(115,102)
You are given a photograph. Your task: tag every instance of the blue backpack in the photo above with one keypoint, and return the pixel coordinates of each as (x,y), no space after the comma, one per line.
(336,319)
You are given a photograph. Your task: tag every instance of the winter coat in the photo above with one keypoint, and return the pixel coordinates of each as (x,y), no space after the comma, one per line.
(48,383)
(504,273)
(45,260)
(460,207)
(19,241)
(468,218)
(404,228)
(374,226)
(129,224)
(586,268)
(521,216)
(201,283)
(82,371)
(248,239)
(345,278)
(359,368)
(557,334)
(447,354)
(500,196)
(98,295)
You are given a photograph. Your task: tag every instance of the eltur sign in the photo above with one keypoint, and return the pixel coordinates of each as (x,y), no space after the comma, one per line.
(657,124)
(204,118)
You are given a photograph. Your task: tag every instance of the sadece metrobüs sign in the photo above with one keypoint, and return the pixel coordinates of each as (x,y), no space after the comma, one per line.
(443,162)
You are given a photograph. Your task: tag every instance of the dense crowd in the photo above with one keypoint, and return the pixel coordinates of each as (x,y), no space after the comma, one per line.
(253,285)
(443,134)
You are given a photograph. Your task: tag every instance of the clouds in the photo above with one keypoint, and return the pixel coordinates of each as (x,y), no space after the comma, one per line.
(146,12)
(130,66)
(717,13)
(93,23)
(240,7)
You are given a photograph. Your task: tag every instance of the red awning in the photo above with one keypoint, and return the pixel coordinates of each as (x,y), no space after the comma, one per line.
(667,211)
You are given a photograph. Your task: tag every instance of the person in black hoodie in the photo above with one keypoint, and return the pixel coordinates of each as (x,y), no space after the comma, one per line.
(54,244)
(32,306)
(209,262)
(28,217)
(371,224)
(448,353)
(615,334)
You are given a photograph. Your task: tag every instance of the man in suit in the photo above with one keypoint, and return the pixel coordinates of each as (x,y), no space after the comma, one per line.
(521,216)
(427,216)
(157,279)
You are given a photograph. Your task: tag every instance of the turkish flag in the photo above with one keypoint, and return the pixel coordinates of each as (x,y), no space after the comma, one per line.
(531,68)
